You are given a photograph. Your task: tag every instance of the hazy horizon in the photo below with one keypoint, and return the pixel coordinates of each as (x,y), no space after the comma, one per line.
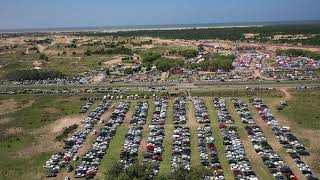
(17,14)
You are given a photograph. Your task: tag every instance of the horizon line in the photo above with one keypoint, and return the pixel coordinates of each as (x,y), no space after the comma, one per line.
(154,26)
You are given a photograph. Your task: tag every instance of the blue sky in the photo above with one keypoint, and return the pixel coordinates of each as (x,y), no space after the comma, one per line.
(89,13)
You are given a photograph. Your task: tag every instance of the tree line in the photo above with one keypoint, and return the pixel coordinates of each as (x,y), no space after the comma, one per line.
(34,74)
(143,172)
(229,33)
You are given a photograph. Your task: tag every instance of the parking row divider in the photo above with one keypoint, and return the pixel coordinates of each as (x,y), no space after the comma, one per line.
(193,125)
(218,138)
(112,155)
(257,164)
(165,165)
(145,132)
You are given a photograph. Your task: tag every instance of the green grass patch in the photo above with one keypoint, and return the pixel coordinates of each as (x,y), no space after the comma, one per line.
(218,138)
(165,165)
(44,109)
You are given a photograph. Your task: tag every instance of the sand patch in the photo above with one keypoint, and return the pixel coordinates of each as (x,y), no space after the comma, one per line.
(58,125)
(5,120)
(14,131)
(36,63)
(46,141)
(250,35)
(11,105)
(115,60)
(7,106)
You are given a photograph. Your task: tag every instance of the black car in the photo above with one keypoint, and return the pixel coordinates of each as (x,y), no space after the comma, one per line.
(69,168)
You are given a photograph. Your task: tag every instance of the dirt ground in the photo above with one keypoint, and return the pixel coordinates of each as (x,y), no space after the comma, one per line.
(46,137)
(58,125)
(13,131)
(115,60)
(7,106)
(5,120)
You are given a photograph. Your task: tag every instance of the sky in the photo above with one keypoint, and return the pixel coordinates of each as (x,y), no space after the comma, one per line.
(16,14)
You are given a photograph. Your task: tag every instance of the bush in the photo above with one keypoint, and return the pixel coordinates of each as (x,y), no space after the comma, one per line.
(128,71)
(149,57)
(43,57)
(189,53)
(221,62)
(165,64)
(66,132)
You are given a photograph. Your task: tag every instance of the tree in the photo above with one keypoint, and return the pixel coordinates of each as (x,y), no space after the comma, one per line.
(43,57)
(189,53)
(128,71)
(115,170)
(88,53)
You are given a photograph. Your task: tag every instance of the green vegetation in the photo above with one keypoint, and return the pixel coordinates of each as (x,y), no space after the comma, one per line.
(218,61)
(39,110)
(213,115)
(41,41)
(32,113)
(33,75)
(264,33)
(299,52)
(149,57)
(163,64)
(188,53)
(116,50)
(43,57)
(148,42)
(303,109)
(66,132)
(141,172)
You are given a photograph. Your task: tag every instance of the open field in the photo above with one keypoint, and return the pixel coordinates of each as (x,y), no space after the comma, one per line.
(30,123)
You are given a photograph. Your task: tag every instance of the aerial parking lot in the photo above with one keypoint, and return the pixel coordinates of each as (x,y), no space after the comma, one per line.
(171,102)
(219,134)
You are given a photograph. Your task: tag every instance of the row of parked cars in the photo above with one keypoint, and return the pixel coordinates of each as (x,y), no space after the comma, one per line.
(201,111)
(160,113)
(208,152)
(224,116)
(179,111)
(206,147)
(74,143)
(87,106)
(55,81)
(91,160)
(243,112)
(130,147)
(63,91)
(279,169)
(181,148)
(154,148)
(140,114)
(234,148)
(285,136)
